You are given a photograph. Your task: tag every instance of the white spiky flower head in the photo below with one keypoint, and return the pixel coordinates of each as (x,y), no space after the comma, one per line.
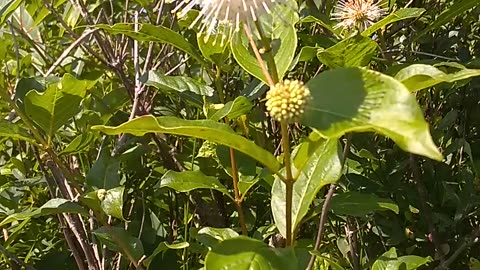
(286,101)
(357,13)
(226,16)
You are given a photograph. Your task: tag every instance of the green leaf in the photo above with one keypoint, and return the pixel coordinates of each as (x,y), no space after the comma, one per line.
(283,36)
(359,100)
(213,49)
(243,253)
(190,180)
(322,20)
(14,131)
(104,172)
(202,129)
(419,76)
(332,263)
(119,240)
(390,261)
(210,237)
(79,144)
(164,246)
(360,204)
(459,7)
(399,15)
(322,167)
(233,109)
(154,33)
(351,52)
(7,9)
(186,87)
(53,108)
(474,264)
(112,203)
(53,206)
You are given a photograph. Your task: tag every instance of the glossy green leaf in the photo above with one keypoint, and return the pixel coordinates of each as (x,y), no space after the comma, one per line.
(112,203)
(210,237)
(164,246)
(7,9)
(119,240)
(243,253)
(352,52)
(60,102)
(401,14)
(283,36)
(233,109)
(458,7)
(390,261)
(53,206)
(419,76)
(360,204)
(202,129)
(13,131)
(322,167)
(79,144)
(186,87)
(190,180)
(154,33)
(359,100)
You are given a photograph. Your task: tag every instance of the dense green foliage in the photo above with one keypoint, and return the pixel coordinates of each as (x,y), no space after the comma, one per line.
(130,141)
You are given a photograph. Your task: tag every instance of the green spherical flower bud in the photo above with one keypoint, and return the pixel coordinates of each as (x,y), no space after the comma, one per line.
(286,100)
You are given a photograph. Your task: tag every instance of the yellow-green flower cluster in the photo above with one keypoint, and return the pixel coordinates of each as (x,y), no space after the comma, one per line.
(286,100)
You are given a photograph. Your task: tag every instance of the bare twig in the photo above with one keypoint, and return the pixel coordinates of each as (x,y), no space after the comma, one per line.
(136,64)
(68,237)
(74,35)
(326,207)
(468,242)
(74,221)
(351,232)
(68,50)
(259,57)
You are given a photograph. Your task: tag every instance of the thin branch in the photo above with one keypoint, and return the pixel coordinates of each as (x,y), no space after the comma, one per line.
(326,207)
(468,242)
(260,61)
(238,198)
(68,50)
(351,232)
(74,221)
(68,237)
(74,35)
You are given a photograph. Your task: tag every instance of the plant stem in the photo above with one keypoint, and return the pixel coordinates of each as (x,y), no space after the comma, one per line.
(288,182)
(233,161)
(271,80)
(268,52)
(238,198)
(260,61)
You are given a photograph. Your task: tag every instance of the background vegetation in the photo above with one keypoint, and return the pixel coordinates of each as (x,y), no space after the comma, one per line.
(386,155)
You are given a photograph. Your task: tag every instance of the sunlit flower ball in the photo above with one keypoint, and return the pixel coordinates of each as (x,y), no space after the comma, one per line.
(357,13)
(225,16)
(286,100)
